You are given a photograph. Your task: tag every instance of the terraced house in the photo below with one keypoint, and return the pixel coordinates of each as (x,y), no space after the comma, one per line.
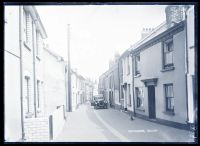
(23,57)
(160,82)
(157,74)
(109,83)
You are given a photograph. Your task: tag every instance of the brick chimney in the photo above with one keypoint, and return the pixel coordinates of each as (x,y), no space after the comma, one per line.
(174,14)
(146,31)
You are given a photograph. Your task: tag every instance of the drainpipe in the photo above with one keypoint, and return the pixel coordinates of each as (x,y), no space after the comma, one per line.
(134,114)
(119,81)
(186,63)
(33,41)
(21,70)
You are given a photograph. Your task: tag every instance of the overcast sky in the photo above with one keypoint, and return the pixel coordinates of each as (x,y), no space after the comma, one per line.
(97,31)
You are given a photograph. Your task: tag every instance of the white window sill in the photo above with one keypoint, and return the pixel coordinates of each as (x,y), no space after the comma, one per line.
(38,58)
(138,75)
(168,69)
(29,115)
(27,46)
(169,113)
(38,110)
(140,109)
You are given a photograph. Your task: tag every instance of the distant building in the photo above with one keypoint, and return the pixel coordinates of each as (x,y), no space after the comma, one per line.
(109,83)
(126,81)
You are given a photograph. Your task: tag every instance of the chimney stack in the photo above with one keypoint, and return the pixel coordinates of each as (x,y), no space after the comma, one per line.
(146,31)
(174,14)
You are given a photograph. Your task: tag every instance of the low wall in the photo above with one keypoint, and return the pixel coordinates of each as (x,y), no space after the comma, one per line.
(36,129)
(58,120)
(45,128)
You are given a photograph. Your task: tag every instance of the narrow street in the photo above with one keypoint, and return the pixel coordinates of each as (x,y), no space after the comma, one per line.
(108,125)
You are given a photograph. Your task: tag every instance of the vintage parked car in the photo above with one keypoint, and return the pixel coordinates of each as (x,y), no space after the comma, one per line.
(100,102)
(92,101)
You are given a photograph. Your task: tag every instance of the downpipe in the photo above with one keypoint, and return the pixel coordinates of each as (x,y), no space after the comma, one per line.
(134,114)
(21,71)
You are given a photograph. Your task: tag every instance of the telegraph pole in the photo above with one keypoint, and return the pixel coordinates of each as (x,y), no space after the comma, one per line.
(69,73)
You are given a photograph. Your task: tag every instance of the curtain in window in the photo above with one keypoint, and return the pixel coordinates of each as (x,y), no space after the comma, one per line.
(169,58)
(28,27)
(169,91)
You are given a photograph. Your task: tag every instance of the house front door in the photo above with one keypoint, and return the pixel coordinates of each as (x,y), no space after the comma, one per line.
(151,98)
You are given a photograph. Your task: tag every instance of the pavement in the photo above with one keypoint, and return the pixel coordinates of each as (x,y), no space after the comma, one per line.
(109,125)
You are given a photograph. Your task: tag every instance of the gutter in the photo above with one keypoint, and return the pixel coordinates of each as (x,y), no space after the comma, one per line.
(119,81)
(21,70)
(186,64)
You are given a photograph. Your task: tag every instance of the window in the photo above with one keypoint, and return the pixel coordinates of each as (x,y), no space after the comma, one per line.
(137,64)
(169,97)
(38,94)
(122,92)
(168,54)
(139,97)
(123,66)
(128,66)
(27,95)
(27,27)
(129,95)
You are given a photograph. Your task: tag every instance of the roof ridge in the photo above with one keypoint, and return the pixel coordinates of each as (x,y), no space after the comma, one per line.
(149,35)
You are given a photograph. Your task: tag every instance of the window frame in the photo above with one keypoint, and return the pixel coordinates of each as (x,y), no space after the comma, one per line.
(37,43)
(128,65)
(166,51)
(139,98)
(27,80)
(137,71)
(170,98)
(38,94)
(28,34)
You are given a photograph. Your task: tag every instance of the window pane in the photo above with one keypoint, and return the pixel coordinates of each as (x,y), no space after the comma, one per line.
(168,103)
(172,103)
(169,58)
(170,46)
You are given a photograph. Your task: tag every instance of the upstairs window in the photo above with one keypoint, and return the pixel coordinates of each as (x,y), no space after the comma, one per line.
(137,64)
(168,54)
(38,43)
(128,66)
(27,28)
(139,97)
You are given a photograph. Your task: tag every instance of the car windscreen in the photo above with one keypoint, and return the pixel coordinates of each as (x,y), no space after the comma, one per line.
(99,98)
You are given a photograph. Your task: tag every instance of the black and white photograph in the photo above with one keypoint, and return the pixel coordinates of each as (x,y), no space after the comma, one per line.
(100,73)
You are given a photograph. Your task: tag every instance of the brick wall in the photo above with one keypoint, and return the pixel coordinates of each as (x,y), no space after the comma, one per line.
(36,129)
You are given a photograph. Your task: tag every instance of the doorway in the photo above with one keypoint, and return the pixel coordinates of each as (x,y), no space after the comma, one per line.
(151,98)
